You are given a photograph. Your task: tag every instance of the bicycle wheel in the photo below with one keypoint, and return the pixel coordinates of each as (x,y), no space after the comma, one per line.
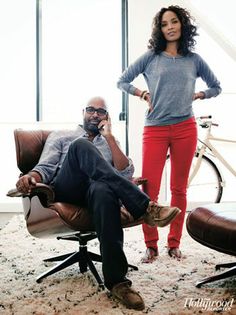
(206,186)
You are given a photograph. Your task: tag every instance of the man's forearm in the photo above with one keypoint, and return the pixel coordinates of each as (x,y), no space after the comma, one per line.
(120,160)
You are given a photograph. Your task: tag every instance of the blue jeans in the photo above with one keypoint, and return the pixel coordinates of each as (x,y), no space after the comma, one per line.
(88,180)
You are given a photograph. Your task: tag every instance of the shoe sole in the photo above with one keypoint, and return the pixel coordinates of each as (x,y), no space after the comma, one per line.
(168,220)
(148,261)
(138,307)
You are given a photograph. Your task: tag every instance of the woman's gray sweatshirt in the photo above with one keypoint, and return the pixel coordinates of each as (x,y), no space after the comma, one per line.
(171,84)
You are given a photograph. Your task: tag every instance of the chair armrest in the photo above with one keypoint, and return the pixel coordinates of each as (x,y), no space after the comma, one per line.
(14,193)
(45,193)
(139,180)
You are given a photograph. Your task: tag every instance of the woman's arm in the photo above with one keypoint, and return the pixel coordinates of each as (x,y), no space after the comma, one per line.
(209,78)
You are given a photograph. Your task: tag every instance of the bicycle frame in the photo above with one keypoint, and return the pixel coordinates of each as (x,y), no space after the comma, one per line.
(207,145)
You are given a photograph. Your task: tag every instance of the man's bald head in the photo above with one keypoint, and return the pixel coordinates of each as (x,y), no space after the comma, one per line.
(97,101)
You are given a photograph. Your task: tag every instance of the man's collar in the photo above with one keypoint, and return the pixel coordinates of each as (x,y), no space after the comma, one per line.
(85,133)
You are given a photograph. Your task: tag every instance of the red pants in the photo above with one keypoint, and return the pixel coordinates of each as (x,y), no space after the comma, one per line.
(181,140)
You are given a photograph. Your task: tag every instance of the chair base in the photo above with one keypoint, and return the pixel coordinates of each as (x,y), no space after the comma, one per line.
(226,274)
(83,257)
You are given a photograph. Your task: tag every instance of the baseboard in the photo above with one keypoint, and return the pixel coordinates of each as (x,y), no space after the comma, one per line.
(7,207)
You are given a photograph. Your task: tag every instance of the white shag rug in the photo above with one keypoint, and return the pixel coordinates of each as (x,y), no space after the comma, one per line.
(167,285)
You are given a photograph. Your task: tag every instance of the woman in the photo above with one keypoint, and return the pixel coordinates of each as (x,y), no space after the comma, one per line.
(170,69)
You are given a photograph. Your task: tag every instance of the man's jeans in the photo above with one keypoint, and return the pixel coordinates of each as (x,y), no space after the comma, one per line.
(87,179)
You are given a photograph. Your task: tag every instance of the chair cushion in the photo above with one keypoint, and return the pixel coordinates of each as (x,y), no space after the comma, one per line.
(214,226)
(79,219)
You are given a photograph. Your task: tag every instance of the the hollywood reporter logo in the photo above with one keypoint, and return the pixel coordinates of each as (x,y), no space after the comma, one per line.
(208,305)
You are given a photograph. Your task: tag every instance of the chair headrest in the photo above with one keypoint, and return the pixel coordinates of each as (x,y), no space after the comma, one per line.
(29,145)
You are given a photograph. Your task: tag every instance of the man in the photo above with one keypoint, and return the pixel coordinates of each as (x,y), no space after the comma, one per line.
(88,168)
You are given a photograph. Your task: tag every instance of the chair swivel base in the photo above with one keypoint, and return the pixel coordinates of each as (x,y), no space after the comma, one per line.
(83,257)
(226,274)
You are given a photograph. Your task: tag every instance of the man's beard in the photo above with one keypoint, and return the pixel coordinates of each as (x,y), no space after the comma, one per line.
(91,128)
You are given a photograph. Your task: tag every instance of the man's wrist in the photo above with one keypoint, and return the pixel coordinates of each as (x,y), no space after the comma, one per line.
(36,175)
(109,136)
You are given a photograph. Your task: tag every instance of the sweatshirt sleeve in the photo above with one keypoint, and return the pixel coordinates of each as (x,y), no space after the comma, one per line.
(136,68)
(207,75)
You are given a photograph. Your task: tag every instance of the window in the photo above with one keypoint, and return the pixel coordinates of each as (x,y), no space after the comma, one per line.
(81,56)
(17,62)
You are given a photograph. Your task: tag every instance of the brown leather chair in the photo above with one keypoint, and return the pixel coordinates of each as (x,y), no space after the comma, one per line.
(214,226)
(47,219)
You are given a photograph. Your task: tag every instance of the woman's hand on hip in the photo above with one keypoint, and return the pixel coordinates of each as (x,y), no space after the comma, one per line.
(148,100)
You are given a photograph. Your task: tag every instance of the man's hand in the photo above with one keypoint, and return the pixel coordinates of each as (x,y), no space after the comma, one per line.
(104,127)
(25,184)
(120,160)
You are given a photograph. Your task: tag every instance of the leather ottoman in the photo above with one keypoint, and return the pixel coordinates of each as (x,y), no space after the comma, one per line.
(214,226)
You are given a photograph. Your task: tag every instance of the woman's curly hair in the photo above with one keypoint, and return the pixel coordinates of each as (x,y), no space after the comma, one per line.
(157,42)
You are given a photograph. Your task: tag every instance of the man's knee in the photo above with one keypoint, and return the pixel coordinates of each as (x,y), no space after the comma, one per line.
(82,147)
(80,143)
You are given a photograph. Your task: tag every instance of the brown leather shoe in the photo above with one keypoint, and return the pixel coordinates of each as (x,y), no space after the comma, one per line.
(128,296)
(160,215)
(150,255)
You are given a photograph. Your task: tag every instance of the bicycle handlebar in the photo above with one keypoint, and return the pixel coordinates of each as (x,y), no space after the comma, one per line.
(205,117)
(206,124)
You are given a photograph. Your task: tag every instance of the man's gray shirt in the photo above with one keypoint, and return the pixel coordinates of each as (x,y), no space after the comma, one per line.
(56,148)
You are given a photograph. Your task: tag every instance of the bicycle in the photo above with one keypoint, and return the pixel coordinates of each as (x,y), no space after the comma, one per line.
(205,183)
